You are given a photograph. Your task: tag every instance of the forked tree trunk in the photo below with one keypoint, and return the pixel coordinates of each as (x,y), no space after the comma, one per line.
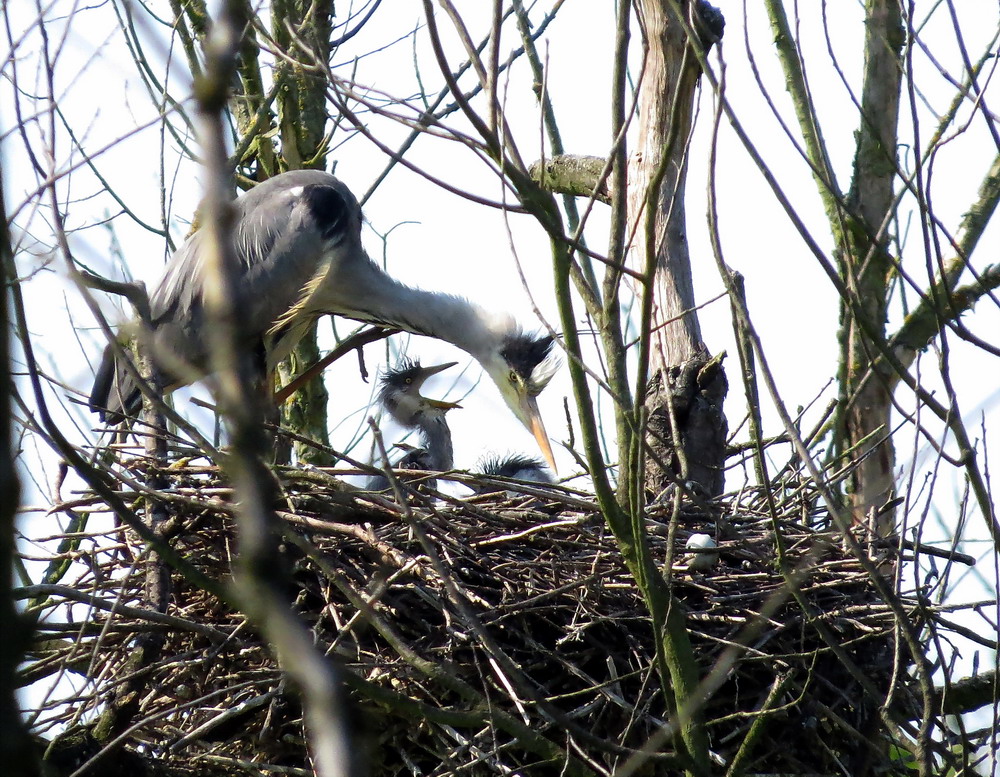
(687,429)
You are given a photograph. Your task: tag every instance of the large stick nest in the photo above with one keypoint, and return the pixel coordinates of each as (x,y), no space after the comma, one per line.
(499,633)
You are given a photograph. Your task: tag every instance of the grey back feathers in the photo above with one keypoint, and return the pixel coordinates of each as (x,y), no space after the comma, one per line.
(288,229)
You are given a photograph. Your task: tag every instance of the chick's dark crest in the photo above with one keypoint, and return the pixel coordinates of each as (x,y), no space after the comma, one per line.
(517,466)
(398,378)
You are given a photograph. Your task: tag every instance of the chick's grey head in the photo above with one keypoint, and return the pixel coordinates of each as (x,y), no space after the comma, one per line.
(399,392)
(522,365)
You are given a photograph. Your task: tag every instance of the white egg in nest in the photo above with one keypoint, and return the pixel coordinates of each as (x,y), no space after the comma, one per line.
(701,559)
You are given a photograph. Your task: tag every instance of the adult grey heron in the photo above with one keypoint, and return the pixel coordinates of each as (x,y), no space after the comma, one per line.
(298,240)
(399,394)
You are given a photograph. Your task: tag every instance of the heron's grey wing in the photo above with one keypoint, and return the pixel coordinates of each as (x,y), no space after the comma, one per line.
(178,314)
(172,304)
(114,394)
(283,226)
(285,247)
(276,257)
(313,256)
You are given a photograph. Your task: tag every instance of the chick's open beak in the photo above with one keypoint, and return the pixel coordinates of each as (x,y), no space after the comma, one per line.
(426,372)
(442,405)
(530,408)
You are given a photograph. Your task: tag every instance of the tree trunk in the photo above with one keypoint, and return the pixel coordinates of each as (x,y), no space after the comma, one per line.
(302,125)
(666,97)
(687,428)
(16,750)
(866,268)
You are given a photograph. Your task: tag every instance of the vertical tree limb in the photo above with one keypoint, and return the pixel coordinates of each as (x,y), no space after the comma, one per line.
(685,426)
(260,582)
(656,176)
(865,266)
(302,120)
(16,751)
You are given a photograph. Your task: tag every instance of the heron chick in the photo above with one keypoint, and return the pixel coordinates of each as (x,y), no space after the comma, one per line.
(297,237)
(399,394)
(515,466)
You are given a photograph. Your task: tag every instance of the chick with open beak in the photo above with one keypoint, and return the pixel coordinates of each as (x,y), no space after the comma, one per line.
(400,397)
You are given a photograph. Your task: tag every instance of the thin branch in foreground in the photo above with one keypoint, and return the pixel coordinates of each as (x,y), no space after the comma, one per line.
(260,583)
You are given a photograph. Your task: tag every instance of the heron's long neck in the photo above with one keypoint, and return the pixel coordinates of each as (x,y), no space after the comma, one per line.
(435,437)
(388,302)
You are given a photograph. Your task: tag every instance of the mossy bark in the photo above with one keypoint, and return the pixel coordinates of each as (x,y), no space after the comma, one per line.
(302,120)
(866,268)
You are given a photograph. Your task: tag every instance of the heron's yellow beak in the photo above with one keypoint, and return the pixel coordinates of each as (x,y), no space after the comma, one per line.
(440,404)
(530,408)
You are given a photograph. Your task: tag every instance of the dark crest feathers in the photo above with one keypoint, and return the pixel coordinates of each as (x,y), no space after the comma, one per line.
(524,353)
(510,466)
(398,377)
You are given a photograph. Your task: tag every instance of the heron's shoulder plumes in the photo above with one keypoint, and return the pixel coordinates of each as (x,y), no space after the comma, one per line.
(291,183)
(531,357)
(309,222)
(332,209)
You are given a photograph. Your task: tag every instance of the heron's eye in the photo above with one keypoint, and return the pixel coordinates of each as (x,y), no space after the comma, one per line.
(513,377)
(409,381)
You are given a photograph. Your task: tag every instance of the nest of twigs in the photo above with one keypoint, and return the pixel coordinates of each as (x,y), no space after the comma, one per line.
(500,633)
